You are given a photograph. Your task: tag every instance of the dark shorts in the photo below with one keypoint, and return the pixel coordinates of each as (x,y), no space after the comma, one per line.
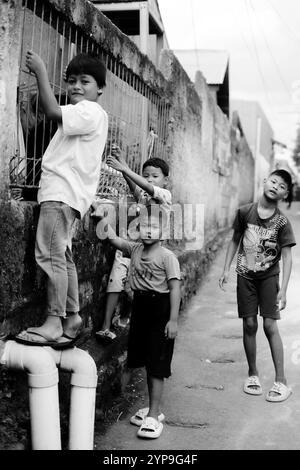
(254,293)
(147,345)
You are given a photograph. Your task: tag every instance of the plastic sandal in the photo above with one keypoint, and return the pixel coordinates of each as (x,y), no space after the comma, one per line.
(282,392)
(141,414)
(252,385)
(106,334)
(150,429)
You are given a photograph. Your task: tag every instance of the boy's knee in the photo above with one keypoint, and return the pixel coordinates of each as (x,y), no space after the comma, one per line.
(270,326)
(250,325)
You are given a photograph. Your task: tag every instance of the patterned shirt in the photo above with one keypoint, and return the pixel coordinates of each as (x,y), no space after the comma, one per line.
(261,241)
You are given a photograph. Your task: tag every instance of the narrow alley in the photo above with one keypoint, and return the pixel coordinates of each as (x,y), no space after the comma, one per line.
(204,404)
(213,144)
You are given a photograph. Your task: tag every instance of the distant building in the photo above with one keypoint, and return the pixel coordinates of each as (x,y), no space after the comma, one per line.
(259,135)
(283,160)
(141,21)
(214,65)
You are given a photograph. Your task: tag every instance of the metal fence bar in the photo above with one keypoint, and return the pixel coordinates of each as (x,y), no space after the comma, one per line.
(137,115)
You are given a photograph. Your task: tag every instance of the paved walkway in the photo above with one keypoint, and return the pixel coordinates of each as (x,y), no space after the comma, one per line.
(204,404)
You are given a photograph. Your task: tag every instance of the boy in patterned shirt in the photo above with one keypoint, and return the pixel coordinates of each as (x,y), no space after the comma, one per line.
(263,233)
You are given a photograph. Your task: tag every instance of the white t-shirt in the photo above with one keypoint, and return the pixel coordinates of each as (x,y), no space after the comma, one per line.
(160,196)
(72,161)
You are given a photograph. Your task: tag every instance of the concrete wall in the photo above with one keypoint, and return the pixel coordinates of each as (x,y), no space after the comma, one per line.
(204,170)
(250,112)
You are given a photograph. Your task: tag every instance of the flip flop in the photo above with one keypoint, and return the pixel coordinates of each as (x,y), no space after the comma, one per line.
(106,334)
(252,385)
(150,429)
(61,344)
(25,337)
(282,392)
(141,414)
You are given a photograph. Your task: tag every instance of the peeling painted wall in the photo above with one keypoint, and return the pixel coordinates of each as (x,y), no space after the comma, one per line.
(203,169)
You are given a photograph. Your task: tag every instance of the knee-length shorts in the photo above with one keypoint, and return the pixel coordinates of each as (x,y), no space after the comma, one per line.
(254,294)
(147,344)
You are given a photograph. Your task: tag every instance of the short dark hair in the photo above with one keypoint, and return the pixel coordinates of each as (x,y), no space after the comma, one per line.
(90,65)
(157,163)
(285,175)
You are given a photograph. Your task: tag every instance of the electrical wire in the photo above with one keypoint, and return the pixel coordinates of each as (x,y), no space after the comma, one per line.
(250,51)
(270,51)
(291,31)
(265,88)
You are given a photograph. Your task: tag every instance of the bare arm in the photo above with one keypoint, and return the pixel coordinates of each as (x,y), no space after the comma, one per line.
(104,230)
(131,175)
(48,101)
(116,154)
(286,272)
(132,186)
(231,251)
(175,296)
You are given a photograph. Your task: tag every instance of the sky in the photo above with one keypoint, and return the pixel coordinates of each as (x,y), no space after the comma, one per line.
(262,38)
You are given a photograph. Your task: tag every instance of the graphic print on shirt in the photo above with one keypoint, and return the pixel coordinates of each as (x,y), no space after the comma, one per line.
(259,248)
(141,272)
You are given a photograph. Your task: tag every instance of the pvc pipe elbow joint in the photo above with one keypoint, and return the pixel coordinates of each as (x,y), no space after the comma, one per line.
(35,360)
(80,364)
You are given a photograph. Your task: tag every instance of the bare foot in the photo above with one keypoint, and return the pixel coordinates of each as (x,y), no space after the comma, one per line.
(45,334)
(51,328)
(71,325)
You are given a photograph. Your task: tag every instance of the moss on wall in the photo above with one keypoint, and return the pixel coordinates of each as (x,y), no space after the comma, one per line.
(12,249)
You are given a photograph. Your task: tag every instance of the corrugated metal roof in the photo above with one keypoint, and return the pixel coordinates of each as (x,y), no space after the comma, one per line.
(212,63)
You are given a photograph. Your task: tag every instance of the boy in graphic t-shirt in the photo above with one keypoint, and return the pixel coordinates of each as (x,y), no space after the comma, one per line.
(263,234)
(154,277)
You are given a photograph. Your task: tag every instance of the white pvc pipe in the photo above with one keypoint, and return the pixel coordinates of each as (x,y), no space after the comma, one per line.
(39,362)
(82,418)
(83,395)
(43,391)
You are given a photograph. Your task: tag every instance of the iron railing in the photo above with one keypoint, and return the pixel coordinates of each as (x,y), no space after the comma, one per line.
(138,116)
